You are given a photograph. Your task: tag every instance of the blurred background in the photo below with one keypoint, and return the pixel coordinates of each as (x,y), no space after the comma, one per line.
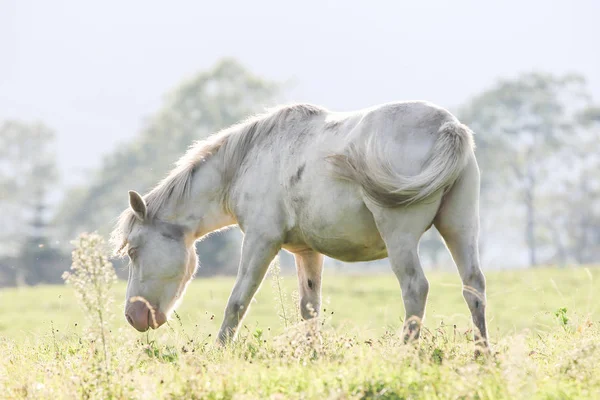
(99,98)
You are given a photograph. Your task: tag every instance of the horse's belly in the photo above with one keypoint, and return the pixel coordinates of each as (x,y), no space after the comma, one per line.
(345,231)
(351,251)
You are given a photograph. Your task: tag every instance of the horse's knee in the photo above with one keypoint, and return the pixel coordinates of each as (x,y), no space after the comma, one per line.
(475,278)
(235,309)
(422,286)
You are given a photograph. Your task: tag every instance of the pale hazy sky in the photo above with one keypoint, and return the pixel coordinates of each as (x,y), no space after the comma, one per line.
(93,71)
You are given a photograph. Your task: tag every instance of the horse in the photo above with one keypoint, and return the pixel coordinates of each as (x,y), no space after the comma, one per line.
(354,186)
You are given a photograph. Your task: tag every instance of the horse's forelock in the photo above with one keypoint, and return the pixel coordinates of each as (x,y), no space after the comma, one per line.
(119,235)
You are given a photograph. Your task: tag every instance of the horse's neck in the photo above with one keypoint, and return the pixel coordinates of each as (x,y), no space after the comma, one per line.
(203,211)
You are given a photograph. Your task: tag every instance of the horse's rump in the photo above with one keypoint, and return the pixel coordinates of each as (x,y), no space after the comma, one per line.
(386,187)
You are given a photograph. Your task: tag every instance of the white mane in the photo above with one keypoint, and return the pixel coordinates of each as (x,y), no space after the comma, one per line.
(231,144)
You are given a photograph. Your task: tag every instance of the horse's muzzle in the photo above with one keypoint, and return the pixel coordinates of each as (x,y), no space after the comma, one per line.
(139,315)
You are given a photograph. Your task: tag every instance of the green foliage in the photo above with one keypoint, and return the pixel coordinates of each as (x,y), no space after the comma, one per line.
(92,277)
(167,354)
(561,317)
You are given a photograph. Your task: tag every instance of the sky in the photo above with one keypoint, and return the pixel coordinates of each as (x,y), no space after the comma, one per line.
(95,71)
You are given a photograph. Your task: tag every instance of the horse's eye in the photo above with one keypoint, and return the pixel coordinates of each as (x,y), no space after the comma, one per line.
(168,236)
(132,253)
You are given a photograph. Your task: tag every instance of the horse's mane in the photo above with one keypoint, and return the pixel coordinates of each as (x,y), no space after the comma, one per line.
(231,144)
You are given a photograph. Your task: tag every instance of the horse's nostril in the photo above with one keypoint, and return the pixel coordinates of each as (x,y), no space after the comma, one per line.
(129,319)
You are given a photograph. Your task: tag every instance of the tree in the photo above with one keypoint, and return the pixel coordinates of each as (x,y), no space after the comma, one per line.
(27,168)
(39,261)
(28,173)
(207,102)
(575,201)
(520,124)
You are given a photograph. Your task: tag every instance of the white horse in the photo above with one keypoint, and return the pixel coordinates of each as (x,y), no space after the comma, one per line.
(354,186)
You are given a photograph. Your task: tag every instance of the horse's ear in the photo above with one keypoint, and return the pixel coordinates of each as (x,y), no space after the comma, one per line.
(138,205)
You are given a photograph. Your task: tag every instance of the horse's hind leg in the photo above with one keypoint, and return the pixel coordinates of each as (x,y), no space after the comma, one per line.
(458,222)
(310,266)
(401,229)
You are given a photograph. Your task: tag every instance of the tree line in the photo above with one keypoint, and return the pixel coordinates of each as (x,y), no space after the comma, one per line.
(538,146)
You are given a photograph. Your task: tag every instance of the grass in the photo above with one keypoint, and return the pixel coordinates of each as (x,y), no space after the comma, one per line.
(544,328)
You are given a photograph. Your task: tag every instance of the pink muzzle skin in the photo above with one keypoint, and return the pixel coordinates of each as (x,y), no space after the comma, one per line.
(140,317)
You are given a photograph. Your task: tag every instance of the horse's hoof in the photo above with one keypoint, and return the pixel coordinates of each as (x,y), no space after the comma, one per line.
(482,352)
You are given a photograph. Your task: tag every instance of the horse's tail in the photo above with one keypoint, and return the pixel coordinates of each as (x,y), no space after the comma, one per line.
(388,188)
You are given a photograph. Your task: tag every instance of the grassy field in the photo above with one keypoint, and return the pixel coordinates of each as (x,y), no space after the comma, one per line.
(544,328)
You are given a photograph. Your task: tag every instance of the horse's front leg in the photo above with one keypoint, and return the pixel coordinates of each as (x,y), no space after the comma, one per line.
(257,253)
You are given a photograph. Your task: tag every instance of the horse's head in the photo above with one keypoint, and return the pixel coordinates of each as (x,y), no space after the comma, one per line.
(162,263)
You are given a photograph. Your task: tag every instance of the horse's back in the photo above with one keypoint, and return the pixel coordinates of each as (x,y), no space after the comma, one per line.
(316,209)
(329,215)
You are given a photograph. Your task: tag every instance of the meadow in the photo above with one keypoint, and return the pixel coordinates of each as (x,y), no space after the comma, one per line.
(544,329)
